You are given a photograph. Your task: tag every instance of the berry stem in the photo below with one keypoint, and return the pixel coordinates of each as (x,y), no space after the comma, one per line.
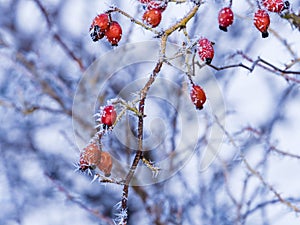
(258,4)
(58,38)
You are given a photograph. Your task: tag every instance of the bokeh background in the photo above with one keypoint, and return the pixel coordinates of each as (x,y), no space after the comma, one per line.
(45,49)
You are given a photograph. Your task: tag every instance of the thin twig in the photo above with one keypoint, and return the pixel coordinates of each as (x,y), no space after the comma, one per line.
(58,38)
(79,203)
(143,95)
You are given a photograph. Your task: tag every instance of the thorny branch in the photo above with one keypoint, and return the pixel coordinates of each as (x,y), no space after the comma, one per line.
(143,95)
(181,25)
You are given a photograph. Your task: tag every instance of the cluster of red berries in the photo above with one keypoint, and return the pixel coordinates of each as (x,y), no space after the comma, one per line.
(153,13)
(102,25)
(261,17)
(225,19)
(198,96)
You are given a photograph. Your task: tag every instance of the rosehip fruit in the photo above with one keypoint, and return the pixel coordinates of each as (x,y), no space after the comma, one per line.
(105,164)
(205,50)
(262,22)
(90,157)
(144,1)
(160,5)
(114,33)
(109,116)
(152,17)
(99,26)
(275,5)
(225,18)
(198,96)
(83,165)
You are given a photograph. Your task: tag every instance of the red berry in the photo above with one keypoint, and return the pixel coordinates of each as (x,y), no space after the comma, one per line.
(99,26)
(262,22)
(225,18)
(109,116)
(198,96)
(205,50)
(160,5)
(114,33)
(275,5)
(152,17)
(102,21)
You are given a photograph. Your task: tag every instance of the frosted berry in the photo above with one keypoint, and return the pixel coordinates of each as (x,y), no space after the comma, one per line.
(275,5)
(99,26)
(262,22)
(198,96)
(90,157)
(102,21)
(105,164)
(109,116)
(160,5)
(152,17)
(114,33)
(225,18)
(205,50)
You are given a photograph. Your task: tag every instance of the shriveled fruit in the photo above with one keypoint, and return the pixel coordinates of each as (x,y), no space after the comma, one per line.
(90,157)
(105,164)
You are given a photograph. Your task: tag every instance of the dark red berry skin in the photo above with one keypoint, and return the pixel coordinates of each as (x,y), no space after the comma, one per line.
(225,18)
(83,165)
(160,5)
(205,50)
(102,21)
(262,22)
(275,5)
(198,96)
(152,17)
(114,33)
(99,26)
(109,116)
